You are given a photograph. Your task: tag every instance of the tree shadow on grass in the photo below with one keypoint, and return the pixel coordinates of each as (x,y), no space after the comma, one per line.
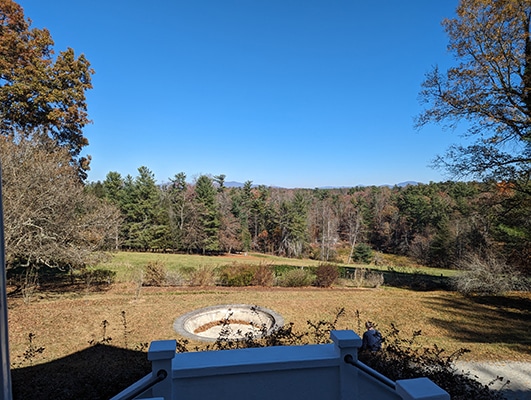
(416,281)
(98,372)
(55,281)
(488,319)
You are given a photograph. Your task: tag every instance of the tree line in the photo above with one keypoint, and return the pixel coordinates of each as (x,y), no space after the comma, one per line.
(437,223)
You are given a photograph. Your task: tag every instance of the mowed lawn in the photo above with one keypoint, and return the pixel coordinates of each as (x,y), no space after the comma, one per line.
(493,328)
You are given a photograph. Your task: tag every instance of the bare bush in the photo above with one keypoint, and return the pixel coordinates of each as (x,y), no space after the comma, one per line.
(488,275)
(155,273)
(49,218)
(404,357)
(133,274)
(175,278)
(366,278)
(264,275)
(203,276)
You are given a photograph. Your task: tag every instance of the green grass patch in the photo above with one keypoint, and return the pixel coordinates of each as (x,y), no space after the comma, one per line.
(129,266)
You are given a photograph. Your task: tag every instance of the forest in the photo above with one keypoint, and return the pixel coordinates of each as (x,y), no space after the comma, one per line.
(437,224)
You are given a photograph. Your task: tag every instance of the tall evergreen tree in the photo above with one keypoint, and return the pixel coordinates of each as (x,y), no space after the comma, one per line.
(113,187)
(242,203)
(208,214)
(178,204)
(146,219)
(292,226)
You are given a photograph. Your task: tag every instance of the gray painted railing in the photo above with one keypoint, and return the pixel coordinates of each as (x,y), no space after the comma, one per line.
(312,372)
(369,371)
(145,384)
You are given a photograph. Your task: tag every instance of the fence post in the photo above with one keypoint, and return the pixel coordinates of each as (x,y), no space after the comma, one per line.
(347,343)
(161,354)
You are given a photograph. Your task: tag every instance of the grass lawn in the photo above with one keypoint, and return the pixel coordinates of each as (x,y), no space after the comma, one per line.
(125,263)
(65,322)
(128,264)
(89,342)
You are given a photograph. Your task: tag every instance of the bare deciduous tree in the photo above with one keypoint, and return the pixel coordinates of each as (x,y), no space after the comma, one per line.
(489,89)
(49,218)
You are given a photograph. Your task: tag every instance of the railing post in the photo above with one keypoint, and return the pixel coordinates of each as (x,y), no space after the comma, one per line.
(420,389)
(347,343)
(161,354)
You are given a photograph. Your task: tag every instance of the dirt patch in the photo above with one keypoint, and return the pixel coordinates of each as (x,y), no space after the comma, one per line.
(212,324)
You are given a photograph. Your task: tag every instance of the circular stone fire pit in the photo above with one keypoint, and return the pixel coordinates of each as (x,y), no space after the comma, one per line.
(228,322)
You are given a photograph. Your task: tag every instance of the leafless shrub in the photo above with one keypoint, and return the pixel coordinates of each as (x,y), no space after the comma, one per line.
(373,279)
(203,276)
(155,273)
(97,277)
(404,357)
(264,275)
(175,278)
(488,275)
(31,353)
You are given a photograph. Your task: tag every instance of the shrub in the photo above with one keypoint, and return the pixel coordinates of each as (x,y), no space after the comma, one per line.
(263,275)
(202,276)
(283,268)
(175,278)
(236,275)
(326,275)
(155,274)
(488,275)
(363,253)
(296,278)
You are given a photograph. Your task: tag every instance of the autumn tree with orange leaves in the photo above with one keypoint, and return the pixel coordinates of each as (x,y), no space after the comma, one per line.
(42,94)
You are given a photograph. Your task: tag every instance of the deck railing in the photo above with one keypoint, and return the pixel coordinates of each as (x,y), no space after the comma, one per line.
(311,372)
(369,371)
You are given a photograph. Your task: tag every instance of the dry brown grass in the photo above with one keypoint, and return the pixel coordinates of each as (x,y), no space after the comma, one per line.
(494,328)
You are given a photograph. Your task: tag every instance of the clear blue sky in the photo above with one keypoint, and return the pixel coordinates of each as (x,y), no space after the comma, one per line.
(291,93)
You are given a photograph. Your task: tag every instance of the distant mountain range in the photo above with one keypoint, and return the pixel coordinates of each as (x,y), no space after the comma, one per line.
(232,184)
